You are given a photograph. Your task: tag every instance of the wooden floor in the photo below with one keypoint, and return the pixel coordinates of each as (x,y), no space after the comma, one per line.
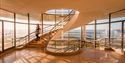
(37,55)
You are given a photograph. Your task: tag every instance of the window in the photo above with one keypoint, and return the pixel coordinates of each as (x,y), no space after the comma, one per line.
(8,35)
(118,16)
(115,35)
(4,15)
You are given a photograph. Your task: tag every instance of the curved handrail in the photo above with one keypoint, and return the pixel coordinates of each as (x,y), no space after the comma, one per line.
(69,48)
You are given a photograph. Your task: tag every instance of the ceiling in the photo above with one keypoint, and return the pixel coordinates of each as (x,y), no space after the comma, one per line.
(89,9)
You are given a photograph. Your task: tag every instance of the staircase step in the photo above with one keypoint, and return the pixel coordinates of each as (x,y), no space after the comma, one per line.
(36,43)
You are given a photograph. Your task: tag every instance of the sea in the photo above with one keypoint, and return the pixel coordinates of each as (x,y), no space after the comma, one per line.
(74,33)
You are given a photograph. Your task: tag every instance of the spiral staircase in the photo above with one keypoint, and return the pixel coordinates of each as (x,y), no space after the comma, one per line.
(52,34)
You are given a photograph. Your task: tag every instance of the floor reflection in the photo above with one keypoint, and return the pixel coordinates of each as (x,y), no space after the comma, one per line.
(34,55)
(108,59)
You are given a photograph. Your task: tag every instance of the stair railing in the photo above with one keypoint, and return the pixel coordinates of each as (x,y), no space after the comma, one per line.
(49,29)
(67,47)
(74,47)
(23,40)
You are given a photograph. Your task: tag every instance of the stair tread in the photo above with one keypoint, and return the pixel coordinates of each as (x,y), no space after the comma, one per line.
(36,44)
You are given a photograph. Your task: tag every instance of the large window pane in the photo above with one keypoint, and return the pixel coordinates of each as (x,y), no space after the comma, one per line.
(8,34)
(32,29)
(75,34)
(118,16)
(22,18)
(49,18)
(103,19)
(102,33)
(116,35)
(89,35)
(58,18)
(4,15)
(65,40)
(35,18)
(0,36)
(21,30)
(58,11)
(48,22)
(90,32)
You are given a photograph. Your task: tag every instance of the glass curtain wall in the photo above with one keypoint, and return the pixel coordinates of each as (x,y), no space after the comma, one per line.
(75,34)
(102,30)
(102,33)
(8,34)
(34,19)
(21,31)
(71,37)
(48,22)
(66,41)
(21,25)
(32,30)
(89,35)
(8,19)
(118,16)
(21,28)
(115,35)
(90,32)
(22,18)
(60,44)
(53,17)
(116,29)
(59,17)
(8,16)
(103,19)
